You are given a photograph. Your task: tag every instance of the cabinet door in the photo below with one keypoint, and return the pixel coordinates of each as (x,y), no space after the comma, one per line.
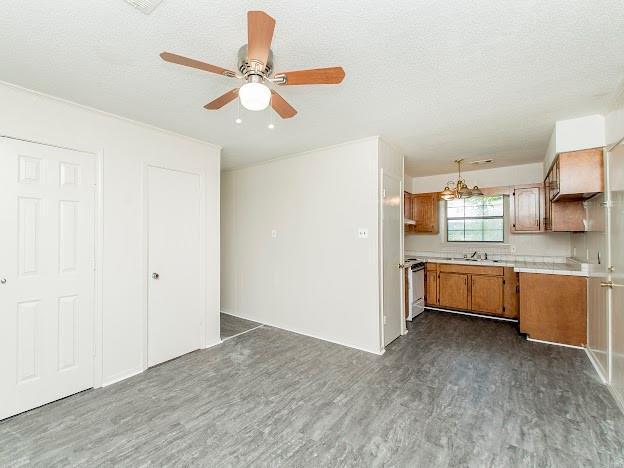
(431,288)
(547,203)
(556,179)
(407,205)
(487,294)
(526,206)
(408,211)
(453,290)
(425,210)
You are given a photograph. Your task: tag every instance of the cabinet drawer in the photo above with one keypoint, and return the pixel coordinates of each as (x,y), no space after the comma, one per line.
(471,270)
(431,266)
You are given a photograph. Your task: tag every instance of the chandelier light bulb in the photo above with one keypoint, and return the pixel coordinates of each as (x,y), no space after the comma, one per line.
(238,120)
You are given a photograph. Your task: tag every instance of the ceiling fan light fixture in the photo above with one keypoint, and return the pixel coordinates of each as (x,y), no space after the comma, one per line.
(254,96)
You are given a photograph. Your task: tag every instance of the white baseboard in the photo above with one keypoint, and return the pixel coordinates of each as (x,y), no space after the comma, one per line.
(491,317)
(121,376)
(619,399)
(241,333)
(214,343)
(563,345)
(597,366)
(379,353)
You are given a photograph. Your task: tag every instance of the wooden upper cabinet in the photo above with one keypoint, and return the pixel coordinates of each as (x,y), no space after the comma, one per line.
(487,294)
(577,175)
(526,208)
(425,212)
(453,290)
(407,205)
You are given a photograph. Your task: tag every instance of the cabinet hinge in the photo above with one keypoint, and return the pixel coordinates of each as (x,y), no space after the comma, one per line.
(503,308)
(504,282)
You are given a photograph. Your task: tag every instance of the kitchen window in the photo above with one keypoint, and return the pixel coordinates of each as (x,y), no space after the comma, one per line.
(475,219)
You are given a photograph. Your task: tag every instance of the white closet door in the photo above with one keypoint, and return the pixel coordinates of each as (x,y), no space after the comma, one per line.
(174,293)
(46,274)
(392,274)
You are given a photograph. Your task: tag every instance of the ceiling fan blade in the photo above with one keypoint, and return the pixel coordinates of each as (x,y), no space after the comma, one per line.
(222,100)
(260,27)
(279,104)
(189,62)
(332,75)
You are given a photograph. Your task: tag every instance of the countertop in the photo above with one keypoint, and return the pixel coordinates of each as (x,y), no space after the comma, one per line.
(570,268)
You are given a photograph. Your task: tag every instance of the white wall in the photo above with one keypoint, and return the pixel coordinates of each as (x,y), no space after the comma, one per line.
(125,147)
(316,277)
(540,244)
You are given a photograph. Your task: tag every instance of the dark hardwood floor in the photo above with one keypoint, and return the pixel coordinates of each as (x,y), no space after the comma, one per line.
(455,391)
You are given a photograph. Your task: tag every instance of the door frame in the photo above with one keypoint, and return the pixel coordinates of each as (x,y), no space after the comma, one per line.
(98,240)
(145,254)
(382,347)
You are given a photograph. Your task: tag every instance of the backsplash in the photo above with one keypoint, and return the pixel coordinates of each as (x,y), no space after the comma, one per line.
(494,253)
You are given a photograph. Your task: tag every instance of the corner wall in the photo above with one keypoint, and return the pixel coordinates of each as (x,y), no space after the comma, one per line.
(291,256)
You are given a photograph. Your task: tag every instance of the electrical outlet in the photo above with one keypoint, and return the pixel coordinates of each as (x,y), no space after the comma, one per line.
(385,320)
(274,233)
(363,233)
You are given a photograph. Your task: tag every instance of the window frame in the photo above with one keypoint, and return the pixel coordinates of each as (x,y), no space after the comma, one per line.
(502,217)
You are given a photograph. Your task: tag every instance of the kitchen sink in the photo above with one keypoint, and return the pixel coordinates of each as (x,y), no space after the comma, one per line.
(476,260)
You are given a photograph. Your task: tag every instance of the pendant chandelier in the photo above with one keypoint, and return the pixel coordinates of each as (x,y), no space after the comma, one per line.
(459,189)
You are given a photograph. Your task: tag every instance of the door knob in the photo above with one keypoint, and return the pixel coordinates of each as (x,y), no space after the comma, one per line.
(155,275)
(3,281)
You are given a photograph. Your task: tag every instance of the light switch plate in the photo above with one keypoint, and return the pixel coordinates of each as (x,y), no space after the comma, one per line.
(363,233)
(274,233)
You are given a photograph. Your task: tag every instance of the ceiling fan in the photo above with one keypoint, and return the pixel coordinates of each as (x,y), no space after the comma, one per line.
(255,67)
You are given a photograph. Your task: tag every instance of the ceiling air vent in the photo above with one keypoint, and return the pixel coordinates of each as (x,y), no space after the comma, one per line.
(146,6)
(480,162)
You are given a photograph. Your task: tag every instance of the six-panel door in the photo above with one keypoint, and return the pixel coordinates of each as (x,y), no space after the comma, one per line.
(46,274)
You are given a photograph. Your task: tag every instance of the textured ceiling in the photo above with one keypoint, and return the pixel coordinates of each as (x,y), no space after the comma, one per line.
(437,79)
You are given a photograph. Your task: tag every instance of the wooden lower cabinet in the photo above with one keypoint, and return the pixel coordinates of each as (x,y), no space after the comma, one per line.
(554,308)
(453,290)
(487,294)
(483,289)
(431,284)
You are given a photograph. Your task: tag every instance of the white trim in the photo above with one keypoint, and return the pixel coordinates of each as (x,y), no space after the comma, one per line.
(309,335)
(108,114)
(597,366)
(563,345)
(98,319)
(121,376)
(223,340)
(145,256)
(211,345)
(491,317)
(619,400)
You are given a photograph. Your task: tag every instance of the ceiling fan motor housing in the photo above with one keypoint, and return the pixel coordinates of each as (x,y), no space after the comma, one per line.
(254,67)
